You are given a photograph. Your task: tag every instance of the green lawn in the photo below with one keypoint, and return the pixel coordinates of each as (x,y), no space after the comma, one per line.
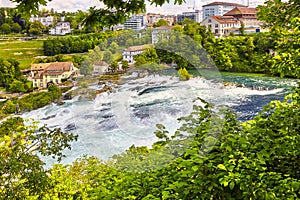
(22,51)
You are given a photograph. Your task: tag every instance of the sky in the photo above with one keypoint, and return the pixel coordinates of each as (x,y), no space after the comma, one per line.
(74,5)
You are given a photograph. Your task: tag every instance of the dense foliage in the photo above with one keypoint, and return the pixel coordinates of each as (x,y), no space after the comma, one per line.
(74,44)
(11,77)
(22,173)
(31,101)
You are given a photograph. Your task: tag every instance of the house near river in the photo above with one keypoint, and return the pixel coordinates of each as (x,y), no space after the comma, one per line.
(43,74)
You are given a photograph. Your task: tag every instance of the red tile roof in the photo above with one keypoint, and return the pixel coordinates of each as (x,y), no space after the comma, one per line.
(39,66)
(225,19)
(225,4)
(38,75)
(242,11)
(58,68)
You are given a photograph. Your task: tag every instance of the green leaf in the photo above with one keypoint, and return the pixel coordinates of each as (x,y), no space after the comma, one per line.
(195,168)
(222,167)
(231,185)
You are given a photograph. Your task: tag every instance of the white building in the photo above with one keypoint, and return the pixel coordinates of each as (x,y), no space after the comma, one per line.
(136,23)
(196,16)
(46,21)
(248,17)
(132,51)
(222,25)
(218,8)
(159,33)
(100,68)
(61,28)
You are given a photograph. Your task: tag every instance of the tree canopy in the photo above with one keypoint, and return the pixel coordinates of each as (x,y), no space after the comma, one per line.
(114,12)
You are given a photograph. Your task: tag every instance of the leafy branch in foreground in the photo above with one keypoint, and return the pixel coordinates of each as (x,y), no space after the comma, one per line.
(22,171)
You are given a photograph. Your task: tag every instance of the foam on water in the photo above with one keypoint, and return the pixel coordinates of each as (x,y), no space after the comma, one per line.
(114,121)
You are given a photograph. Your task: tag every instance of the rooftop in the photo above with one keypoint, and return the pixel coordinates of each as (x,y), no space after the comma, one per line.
(39,66)
(225,4)
(243,11)
(101,63)
(136,48)
(225,19)
(59,66)
(163,28)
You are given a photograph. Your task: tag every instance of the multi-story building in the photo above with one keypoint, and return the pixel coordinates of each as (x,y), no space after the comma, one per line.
(129,53)
(222,25)
(247,17)
(218,8)
(153,18)
(61,28)
(196,16)
(136,23)
(159,33)
(51,73)
(46,21)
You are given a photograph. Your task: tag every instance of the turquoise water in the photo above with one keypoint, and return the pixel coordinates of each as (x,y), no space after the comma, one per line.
(115,121)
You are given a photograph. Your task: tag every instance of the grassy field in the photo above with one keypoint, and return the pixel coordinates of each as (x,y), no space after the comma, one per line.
(22,51)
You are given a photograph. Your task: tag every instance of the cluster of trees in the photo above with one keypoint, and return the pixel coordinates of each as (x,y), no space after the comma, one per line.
(31,101)
(11,78)
(74,44)
(11,21)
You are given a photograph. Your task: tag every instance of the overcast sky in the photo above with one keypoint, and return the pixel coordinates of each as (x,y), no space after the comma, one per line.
(73,5)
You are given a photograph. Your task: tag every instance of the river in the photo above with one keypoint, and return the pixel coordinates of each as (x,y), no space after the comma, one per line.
(112,122)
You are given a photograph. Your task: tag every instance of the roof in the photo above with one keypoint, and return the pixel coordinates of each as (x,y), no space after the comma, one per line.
(243,11)
(216,3)
(225,19)
(136,48)
(163,28)
(39,66)
(38,75)
(101,63)
(58,68)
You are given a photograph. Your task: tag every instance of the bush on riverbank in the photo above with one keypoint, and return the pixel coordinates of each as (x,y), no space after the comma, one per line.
(32,101)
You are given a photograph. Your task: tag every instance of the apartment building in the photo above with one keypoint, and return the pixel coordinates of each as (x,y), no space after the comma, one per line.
(218,8)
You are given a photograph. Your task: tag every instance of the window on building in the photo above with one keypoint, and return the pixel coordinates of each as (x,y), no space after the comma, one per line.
(217,25)
(209,21)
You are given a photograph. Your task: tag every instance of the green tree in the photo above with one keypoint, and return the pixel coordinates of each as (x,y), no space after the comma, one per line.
(16,28)
(242,29)
(183,74)
(17,86)
(9,107)
(114,66)
(36,28)
(22,171)
(125,65)
(269,13)
(161,22)
(107,57)
(5,28)
(86,67)
(113,47)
